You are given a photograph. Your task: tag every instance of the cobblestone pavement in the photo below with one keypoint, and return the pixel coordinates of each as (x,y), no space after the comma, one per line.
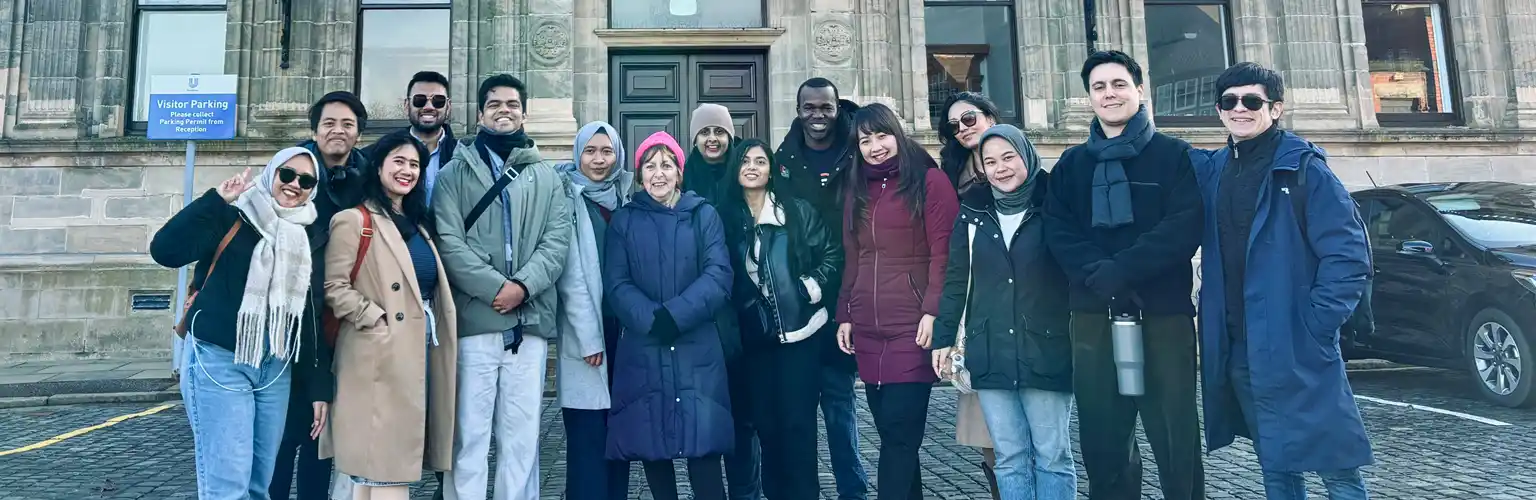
(1420,454)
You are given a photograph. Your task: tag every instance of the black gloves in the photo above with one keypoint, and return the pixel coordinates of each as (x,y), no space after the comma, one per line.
(663,327)
(1103,279)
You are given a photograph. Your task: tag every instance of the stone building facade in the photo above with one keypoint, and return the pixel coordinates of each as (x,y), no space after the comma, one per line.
(1404,90)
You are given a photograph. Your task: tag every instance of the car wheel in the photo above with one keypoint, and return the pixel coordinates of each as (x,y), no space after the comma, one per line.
(1501,358)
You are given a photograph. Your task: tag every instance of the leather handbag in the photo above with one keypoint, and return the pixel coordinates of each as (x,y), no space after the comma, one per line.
(331,323)
(181,326)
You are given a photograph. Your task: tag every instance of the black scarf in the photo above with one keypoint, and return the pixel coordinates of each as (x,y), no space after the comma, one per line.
(501,145)
(1111,190)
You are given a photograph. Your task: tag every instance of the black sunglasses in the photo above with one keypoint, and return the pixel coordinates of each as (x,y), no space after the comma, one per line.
(420,101)
(1250,101)
(286,175)
(967,118)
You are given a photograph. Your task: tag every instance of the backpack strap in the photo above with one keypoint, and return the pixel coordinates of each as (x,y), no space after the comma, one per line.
(1298,188)
(362,245)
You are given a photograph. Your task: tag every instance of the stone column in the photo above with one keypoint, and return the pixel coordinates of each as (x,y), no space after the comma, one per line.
(878,37)
(104,89)
(547,70)
(589,58)
(1520,27)
(10,59)
(274,101)
(1063,104)
(818,40)
(49,105)
(1318,65)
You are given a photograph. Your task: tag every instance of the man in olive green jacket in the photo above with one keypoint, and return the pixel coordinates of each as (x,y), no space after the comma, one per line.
(502,264)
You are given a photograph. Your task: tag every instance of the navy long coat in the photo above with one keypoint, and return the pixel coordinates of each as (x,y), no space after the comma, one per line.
(1295,302)
(669,401)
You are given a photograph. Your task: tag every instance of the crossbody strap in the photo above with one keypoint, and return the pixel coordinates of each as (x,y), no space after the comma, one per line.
(489,197)
(224,243)
(970,252)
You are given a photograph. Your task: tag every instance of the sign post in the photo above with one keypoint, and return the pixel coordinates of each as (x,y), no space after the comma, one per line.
(190,108)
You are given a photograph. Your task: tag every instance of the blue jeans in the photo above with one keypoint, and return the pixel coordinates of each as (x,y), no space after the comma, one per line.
(1031,435)
(1342,484)
(237,414)
(842,435)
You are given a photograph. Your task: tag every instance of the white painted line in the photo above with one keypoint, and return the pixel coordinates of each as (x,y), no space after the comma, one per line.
(1432,409)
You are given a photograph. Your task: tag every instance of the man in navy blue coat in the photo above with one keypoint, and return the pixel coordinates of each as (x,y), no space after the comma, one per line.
(1285,262)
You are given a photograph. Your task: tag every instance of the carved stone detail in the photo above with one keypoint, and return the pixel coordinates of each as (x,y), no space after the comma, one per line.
(833,42)
(550,42)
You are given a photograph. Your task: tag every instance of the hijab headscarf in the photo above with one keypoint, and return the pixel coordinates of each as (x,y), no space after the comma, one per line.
(662,139)
(277,284)
(1022,198)
(609,193)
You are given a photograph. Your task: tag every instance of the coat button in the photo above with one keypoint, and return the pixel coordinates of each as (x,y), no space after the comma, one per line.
(1010,280)
(399,316)
(1010,330)
(395,287)
(674,348)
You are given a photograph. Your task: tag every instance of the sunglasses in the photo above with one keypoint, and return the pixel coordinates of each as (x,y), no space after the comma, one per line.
(420,101)
(967,118)
(286,175)
(1250,101)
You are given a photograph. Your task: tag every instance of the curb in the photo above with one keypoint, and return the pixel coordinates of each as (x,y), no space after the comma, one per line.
(98,398)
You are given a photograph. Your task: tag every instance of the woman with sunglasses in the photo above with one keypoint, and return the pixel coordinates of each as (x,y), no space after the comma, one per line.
(396,350)
(896,240)
(969,114)
(252,327)
(666,272)
(786,256)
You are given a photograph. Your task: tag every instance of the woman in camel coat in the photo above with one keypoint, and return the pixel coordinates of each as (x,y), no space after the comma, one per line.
(396,352)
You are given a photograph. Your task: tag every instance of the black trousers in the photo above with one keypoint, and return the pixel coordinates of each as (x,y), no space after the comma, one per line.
(590,476)
(1107,420)
(314,474)
(743,466)
(704,476)
(785,381)
(901,417)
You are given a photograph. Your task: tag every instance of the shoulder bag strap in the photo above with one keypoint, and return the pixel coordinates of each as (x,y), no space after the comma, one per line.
(489,197)
(224,243)
(362,245)
(970,249)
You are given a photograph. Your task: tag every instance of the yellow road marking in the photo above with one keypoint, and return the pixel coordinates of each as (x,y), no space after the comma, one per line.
(79,432)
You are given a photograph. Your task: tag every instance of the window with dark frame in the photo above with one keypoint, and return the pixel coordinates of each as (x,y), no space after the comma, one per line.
(161,31)
(972,47)
(396,39)
(1412,71)
(686,14)
(1189,44)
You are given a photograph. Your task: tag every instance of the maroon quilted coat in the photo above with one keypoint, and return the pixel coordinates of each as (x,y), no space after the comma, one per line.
(895,274)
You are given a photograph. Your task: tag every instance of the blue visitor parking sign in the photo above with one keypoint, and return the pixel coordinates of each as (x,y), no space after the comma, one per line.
(192,107)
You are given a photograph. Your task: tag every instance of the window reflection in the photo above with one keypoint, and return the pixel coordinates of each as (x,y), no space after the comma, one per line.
(972,49)
(396,44)
(1187,50)
(163,49)
(1405,44)
(686,14)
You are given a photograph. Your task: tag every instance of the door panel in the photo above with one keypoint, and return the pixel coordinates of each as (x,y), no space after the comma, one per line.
(658,92)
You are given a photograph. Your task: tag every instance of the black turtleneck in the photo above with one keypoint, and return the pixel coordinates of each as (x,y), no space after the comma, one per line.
(703,177)
(1237,205)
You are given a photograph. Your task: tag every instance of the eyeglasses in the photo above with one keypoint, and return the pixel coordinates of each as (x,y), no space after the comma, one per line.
(420,101)
(286,175)
(1252,102)
(967,118)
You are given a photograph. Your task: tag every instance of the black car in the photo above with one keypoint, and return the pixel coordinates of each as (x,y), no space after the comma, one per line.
(1455,282)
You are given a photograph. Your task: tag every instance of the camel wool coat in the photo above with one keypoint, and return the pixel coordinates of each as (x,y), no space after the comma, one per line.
(391,417)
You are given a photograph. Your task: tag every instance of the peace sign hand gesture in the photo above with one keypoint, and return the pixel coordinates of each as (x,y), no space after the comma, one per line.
(232,188)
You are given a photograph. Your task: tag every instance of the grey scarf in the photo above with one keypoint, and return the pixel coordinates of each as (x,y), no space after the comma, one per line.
(1111,190)
(609,193)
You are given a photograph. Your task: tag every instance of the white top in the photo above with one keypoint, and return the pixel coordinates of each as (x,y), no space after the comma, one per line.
(1011,225)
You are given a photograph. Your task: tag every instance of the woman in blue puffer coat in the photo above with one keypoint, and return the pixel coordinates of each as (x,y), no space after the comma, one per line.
(667,272)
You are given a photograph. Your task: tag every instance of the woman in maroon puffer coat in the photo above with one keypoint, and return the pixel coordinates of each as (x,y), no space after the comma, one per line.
(897,241)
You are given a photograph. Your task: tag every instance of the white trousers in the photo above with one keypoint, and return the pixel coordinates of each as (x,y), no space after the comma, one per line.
(504,392)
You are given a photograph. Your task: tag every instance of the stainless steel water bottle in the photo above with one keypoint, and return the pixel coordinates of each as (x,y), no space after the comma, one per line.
(1126,331)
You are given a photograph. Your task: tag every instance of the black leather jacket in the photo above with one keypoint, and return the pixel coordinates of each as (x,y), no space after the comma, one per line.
(783,300)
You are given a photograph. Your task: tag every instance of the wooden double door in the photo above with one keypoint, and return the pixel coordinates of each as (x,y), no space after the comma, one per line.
(654,92)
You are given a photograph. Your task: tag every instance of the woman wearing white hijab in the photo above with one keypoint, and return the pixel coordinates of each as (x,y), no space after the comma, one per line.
(252,317)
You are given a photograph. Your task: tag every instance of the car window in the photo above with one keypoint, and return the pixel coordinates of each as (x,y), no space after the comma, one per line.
(1394,221)
(1501,218)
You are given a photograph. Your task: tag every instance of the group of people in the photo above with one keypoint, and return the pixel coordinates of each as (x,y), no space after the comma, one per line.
(386,311)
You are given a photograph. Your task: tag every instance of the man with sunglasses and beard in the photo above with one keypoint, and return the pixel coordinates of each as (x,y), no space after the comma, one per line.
(337,119)
(1285,263)
(427,108)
